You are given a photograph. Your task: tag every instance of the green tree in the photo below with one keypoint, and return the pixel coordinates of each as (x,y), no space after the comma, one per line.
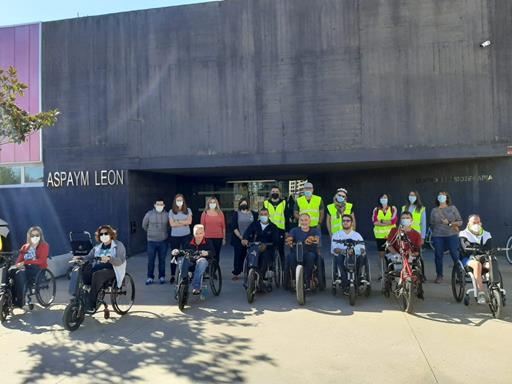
(15,123)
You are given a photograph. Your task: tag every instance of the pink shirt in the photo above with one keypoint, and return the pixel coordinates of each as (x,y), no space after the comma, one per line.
(214,226)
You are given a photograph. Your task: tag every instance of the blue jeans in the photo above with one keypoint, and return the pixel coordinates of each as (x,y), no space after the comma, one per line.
(157,248)
(441,244)
(200,268)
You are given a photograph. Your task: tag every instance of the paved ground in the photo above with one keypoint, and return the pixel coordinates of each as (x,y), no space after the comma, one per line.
(225,340)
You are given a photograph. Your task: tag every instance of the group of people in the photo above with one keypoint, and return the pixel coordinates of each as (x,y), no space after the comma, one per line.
(270,225)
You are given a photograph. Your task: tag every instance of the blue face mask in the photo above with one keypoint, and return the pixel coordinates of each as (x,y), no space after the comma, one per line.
(412,199)
(308,193)
(441,199)
(384,201)
(340,199)
(264,219)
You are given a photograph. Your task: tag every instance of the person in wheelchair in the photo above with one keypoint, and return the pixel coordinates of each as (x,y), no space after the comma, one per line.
(33,257)
(266,232)
(310,237)
(206,249)
(109,252)
(413,245)
(474,240)
(338,250)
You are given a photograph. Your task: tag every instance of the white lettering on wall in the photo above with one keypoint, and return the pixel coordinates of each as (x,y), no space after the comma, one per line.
(104,177)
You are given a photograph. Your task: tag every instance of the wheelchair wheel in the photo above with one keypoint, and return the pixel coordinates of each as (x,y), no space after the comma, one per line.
(4,309)
(458,282)
(215,278)
(45,287)
(509,252)
(406,297)
(386,286)
(352,294)
(251,285)
(496,303)
(321,273)
(278,270)
(73,316)
(182,295)
(122,298)
(299,282)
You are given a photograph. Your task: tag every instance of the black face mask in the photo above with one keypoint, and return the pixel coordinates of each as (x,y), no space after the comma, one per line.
(275,196)
(243,207)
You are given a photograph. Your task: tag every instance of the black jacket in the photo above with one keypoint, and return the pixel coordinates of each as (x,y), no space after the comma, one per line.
(255,233)
(206,245)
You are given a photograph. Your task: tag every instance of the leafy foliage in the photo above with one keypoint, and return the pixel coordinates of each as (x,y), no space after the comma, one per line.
(15,123)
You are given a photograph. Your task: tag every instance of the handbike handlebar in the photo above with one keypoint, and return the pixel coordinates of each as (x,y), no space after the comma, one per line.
(348,242)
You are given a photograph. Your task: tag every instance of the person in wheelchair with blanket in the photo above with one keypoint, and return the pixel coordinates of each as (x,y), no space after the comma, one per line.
(106,255)
(474,241)
(267,233)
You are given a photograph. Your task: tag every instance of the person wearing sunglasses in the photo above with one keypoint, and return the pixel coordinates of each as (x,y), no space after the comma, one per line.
(33,256)
(338,250)
(107,254)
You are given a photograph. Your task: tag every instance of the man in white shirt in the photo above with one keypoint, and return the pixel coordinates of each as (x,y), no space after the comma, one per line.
(338,250)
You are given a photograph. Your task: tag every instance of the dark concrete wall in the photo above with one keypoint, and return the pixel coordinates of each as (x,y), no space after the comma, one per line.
(279,82)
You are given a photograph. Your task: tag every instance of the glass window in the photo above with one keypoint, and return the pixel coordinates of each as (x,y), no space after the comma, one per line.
(10,175)
(34,174)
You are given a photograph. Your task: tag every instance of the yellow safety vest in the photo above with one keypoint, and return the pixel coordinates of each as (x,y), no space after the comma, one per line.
(312,208)
(276,215)
(336,222)
(382,232)
(416,217)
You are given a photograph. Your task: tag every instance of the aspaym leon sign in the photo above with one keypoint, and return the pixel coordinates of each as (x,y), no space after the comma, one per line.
(104,177)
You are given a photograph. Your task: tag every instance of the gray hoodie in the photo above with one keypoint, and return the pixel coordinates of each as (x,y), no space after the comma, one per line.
(156,225)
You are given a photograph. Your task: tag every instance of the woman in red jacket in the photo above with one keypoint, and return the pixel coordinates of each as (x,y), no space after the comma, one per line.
(34,256)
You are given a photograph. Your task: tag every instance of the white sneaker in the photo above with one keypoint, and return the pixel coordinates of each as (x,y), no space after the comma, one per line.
(481,298)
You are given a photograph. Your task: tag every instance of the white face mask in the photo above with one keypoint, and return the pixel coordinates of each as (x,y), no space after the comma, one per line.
(476,228)
(159,208)
(212,205)
(35,239)
(105,238)
(179,203)
(406,222)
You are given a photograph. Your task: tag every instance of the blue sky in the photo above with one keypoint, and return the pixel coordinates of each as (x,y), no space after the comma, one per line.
(29,11)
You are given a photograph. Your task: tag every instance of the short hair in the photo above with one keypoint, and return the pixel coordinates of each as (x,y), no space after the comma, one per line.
(275,186)
(111,231)
(305,214)
(263,209)
(159,199)
(346,216)
(474,216)
(196,227)
(406,213)
(448,198)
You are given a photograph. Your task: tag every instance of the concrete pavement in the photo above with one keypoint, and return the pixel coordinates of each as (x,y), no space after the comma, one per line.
(226,340)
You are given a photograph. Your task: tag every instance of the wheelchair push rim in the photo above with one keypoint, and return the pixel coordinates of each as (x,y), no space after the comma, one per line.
(123,298)
(45,288)
(215,277)
(458,282)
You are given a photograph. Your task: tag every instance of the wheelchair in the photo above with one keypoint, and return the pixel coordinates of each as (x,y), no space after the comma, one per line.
(212,278)
(121,295)
(254,282)
(358,274)
(491,278)
(43,286)
(296,280)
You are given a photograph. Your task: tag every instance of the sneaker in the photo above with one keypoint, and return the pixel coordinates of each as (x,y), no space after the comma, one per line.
(481,298)
(149,281)
(438,280)
(162,280)
(235,278)
(172,280)
(196,292)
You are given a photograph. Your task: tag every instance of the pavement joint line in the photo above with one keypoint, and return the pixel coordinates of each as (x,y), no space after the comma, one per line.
(419,346)
(112,345)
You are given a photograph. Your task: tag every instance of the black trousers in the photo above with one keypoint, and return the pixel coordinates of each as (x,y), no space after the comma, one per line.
(96,277)
(217,244)
(280,245)
(178,242)
(239,257)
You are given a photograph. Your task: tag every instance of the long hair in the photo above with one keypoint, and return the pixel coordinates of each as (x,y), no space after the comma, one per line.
(175,208)
(418,202)
(448,198)
(379,205)
(35,229)
(217,208)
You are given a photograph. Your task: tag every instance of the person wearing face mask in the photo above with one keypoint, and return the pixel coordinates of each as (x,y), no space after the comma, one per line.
(277,208)
(214,224)
(310,238)
(339,207)
(242,219)
(445,221)
(418,212)
(384,218)
(311,204)
(180,219)
(475,237)
(156,224)
(34,256)
(107,254)
(266,232)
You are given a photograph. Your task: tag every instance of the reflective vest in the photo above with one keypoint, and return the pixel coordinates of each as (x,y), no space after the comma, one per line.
(336,220)
(276,215)
(312,208)
(416,217)
(382,232)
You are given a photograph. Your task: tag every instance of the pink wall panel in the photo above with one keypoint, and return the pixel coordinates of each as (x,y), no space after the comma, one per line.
(20,47)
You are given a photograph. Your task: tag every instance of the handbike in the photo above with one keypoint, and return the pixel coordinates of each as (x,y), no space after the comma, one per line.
(254,282)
